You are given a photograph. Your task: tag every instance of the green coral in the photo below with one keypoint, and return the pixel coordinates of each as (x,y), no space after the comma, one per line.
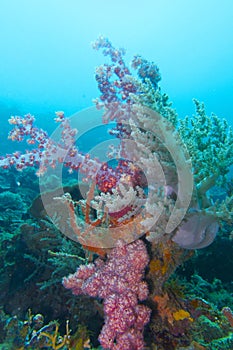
(213,335)
(155,100)
(12,206)
(209,330)
(54,253)
(209,140)
(225,343)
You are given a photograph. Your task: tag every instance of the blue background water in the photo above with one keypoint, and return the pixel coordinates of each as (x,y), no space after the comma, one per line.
(47,62)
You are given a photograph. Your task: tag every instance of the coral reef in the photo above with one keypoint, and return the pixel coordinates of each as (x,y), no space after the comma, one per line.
(32,333)
(168,193)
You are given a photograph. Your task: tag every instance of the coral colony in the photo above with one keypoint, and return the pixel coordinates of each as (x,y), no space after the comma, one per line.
(119,282)
(158,195)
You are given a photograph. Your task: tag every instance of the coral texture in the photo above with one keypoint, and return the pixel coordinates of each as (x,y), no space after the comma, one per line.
(119,282)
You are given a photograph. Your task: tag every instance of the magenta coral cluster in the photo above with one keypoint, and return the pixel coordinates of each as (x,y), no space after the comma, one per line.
(115,84)
(119,281)
(147,70)
(48,153)
(113,79)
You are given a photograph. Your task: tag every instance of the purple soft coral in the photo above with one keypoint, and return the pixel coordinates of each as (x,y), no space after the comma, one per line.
(119,282)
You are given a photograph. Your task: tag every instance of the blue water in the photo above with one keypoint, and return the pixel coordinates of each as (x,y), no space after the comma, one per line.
(47,62)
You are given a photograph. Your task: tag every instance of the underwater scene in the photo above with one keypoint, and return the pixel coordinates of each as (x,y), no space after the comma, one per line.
(116,175)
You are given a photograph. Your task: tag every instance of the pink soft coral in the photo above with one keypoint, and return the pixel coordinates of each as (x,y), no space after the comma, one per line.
(119,282)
